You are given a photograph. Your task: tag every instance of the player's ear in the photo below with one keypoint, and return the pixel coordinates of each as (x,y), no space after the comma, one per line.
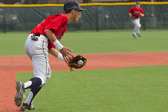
(72,12)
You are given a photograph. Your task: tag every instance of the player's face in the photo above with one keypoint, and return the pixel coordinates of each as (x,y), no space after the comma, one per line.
(77,15)
(137,6)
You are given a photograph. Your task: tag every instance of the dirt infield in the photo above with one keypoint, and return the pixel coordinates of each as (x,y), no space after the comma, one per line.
(9,65)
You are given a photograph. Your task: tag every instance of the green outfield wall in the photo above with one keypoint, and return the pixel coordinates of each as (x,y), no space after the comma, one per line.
(98,16)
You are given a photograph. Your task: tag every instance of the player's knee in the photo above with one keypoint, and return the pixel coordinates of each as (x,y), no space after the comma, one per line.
(42,79)
(139,25)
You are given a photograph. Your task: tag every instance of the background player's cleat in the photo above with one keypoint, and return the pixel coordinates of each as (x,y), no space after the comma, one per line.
(139,34)
(25,106)
(134,35)
(20,93)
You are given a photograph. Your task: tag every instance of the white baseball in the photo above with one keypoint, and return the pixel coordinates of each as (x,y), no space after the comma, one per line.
(80,62)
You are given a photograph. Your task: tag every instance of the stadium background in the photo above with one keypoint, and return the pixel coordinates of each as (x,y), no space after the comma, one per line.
(22,15)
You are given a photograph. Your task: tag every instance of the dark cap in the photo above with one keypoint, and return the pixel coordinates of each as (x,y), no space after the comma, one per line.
(69,5)
(137,2)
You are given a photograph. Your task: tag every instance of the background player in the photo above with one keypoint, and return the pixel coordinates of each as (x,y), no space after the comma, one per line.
(135,13)
(43,39)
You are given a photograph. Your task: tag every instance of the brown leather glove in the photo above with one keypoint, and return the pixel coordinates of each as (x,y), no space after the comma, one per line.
(74,62)
(132,17)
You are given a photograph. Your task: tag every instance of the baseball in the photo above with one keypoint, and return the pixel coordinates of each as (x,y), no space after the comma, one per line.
(80,62)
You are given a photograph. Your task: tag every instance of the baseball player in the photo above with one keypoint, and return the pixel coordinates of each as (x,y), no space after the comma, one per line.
(134,14)
(43,39)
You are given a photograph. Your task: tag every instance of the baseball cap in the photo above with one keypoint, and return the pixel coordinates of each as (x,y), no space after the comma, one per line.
(72,5)
(137,2)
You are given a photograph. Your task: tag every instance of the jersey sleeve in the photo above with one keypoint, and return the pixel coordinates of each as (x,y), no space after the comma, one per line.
(130,10)
(142,11)
(62,34)
(54,23)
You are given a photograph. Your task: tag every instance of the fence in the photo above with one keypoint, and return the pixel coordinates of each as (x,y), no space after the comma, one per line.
(98,16)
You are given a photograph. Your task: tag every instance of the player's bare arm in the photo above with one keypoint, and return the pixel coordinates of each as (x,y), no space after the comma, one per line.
(64,50)
(51,36)
(55,53)
(130,14)
(142,14)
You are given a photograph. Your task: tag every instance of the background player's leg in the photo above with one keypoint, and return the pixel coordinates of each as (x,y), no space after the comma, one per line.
(139,26)
(135,28)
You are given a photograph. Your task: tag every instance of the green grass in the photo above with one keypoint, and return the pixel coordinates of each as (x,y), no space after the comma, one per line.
(94,42)
(136,89)
(12,43)
(119,41)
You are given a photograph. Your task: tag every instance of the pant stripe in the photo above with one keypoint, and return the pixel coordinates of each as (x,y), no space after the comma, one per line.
(45,58)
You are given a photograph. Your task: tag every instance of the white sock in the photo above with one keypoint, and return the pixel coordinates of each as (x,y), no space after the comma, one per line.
(27,84)
(29,98)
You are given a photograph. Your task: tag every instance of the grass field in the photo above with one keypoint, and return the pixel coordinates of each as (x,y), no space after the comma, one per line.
(94,42)
(134,89)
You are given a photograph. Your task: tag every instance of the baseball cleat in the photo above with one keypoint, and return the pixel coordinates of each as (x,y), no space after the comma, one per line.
(139,34)
(134,35)
(20,93)
(25,106)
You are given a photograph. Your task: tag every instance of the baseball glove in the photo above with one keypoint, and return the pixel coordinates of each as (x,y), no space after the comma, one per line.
(133,17)
(74,62)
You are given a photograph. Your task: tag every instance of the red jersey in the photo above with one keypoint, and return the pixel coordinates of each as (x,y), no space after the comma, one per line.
(56,23)
(136,12)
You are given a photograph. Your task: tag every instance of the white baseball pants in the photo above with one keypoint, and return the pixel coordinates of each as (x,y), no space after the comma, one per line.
(137,26)
(37,51)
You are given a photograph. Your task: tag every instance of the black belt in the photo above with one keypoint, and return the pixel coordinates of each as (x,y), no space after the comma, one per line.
(35,36)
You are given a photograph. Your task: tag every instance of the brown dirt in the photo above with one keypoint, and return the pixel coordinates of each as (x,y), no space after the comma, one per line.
(9,65)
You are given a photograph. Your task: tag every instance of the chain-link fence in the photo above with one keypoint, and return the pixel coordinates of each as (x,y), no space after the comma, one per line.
(95,17)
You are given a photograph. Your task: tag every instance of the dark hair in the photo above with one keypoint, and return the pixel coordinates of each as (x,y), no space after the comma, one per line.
(137,3)
(68,11)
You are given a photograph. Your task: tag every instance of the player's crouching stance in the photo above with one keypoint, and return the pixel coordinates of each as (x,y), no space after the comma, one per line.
(43,39)
(135,13)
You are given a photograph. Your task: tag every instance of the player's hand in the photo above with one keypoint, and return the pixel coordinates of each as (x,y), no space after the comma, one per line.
(133,18)
(141,14)
(130,17)
(66,54)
